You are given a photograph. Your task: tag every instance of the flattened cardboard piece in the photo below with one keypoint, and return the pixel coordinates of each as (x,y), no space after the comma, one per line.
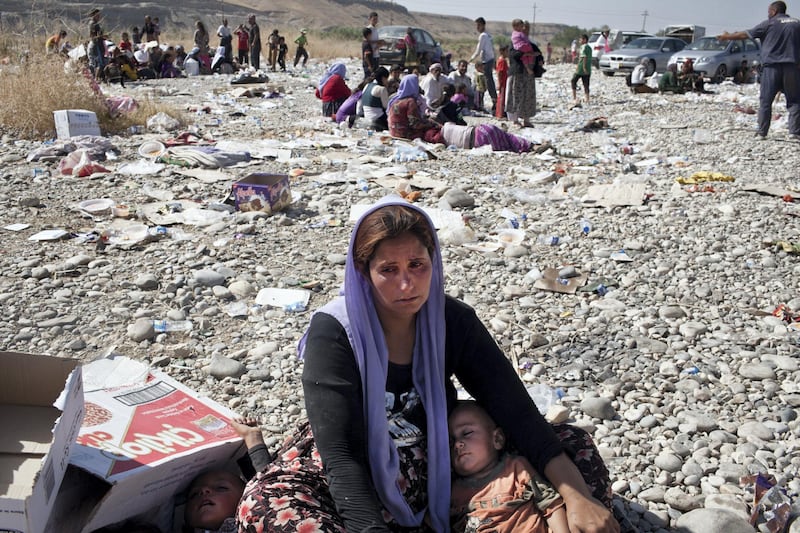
(769,190)
(615,194)
(551,282)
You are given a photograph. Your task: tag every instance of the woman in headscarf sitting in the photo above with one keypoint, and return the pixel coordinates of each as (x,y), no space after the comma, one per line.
(405,112)
(332,89)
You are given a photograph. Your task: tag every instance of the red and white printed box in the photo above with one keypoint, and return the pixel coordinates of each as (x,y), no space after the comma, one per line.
(144,437)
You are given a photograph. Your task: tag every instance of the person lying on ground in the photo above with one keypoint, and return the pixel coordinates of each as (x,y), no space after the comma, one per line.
(213,496)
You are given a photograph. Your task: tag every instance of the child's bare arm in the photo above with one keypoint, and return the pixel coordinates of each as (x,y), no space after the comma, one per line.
(249,430)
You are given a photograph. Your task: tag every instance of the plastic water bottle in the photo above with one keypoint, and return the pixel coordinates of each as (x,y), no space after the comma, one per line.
(362,184)
(552,240)
(294,307)
(586,226)
(164,326)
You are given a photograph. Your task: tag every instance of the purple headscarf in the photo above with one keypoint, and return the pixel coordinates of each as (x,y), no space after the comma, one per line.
(409,86)
(336,68)
(356,313)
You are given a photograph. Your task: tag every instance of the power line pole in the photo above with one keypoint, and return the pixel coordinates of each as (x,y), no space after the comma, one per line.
(533,24)
(644,19)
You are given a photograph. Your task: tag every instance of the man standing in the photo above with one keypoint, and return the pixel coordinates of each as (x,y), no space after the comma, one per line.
(255,42)
(226,40)
(97,55)
(374,41)
(485,53)
(780,62)
(583,71)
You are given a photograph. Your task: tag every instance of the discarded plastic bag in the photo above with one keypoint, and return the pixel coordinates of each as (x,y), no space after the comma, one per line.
(161,123)
(79,163)
(543,396)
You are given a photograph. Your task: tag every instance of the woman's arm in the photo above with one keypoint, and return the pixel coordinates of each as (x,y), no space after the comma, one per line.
(332,387)
(489,377)
(584,513)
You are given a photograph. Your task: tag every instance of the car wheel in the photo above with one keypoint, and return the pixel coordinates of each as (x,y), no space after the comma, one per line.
(651,67)
(721,74)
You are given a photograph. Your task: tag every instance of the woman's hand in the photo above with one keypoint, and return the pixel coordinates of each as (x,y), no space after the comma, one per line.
(588,515)
(584,513)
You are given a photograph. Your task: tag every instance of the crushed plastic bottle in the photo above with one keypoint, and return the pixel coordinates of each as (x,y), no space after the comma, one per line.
(362,184)
(586,226)
(552,240)
(294,307)
(511,217)
(164,326)
(543,396)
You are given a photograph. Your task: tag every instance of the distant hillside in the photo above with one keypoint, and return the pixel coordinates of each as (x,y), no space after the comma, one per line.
(178,16)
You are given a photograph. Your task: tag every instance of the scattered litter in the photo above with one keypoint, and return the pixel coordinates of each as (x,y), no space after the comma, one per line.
(80,163)
(287,299)
(99,206)
(550,281)
(49,235)
(769,190)
(162,123)
(141,167)
(152,149)
(704,176)
(17,227)
(205,175)
(620,256)
(615,194)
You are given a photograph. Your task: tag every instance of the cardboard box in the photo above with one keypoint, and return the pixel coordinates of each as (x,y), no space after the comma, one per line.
(144,438)
(72,122)
(41,408)
(262,192)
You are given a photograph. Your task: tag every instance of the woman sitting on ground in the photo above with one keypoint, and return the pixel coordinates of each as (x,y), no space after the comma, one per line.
(377,382)
(332,89)
(445,109)
(374,100)
(406,118)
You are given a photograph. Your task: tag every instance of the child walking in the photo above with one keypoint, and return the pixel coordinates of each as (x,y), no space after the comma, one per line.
(302,43)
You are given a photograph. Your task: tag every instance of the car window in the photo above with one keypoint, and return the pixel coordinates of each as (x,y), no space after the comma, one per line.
(750,46)
(391,32)
(708,44)
(644,44)
(736,47)
(427,39)
(594,37)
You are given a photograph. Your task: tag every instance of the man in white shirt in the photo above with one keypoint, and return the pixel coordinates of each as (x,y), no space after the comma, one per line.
(460,76)
(226,40)
(432,84)
(485,52)
(374,41)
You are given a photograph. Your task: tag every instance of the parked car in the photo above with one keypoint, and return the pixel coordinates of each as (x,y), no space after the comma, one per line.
(393,50)
(718,60)
(616,39)
(657,51)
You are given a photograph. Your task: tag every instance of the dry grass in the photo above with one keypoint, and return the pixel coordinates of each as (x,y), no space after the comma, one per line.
(32,89)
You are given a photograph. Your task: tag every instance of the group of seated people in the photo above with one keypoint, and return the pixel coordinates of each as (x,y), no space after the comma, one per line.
(685,80)
(431,108)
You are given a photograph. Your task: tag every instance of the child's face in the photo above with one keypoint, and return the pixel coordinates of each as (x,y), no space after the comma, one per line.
(474,441)
(212,498)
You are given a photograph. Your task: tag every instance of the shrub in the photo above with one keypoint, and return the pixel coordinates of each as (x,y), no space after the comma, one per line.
(38,85)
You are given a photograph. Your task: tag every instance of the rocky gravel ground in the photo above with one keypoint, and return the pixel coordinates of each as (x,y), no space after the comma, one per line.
(677,365)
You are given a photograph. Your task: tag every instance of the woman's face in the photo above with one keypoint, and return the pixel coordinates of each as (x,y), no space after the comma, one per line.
(400,273)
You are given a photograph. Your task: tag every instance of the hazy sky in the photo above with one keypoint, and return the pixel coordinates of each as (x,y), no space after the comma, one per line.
(715,15)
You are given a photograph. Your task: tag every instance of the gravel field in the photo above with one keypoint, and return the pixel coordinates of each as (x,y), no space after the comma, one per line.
(678,365)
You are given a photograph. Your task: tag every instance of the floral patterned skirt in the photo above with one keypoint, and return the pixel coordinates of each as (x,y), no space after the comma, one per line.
(292,493)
